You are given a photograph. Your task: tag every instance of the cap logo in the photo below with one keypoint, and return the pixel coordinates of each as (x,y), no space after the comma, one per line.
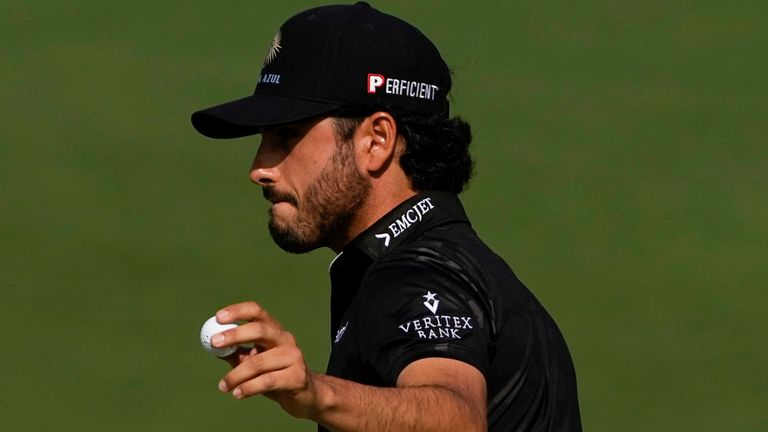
(374,82)
(274,48)
(401,87)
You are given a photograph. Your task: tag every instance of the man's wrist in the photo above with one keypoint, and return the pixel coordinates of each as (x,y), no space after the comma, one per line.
(325,397)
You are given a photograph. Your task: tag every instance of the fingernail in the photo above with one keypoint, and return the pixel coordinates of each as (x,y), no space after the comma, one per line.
(217,339)
(223,386)
(222,314)
(237,393)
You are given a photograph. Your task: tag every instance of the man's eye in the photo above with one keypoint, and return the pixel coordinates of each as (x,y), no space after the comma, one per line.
(287,133)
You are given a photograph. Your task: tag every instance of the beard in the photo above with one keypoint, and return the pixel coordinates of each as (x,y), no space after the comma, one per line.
(329,206)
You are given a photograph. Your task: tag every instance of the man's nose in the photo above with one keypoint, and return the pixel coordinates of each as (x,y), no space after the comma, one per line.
(263,173)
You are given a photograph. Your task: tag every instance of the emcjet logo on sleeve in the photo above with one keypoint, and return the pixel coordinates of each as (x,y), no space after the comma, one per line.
(411,216)
(436,326)
(401,87)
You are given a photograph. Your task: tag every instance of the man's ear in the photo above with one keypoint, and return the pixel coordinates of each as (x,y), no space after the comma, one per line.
(378,135)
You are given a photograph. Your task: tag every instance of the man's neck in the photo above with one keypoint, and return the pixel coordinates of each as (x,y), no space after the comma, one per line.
(380,201)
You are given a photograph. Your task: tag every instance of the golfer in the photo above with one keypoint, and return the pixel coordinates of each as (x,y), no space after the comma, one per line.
(430,329)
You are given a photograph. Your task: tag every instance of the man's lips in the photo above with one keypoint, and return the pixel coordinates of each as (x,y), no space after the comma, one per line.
(275,197)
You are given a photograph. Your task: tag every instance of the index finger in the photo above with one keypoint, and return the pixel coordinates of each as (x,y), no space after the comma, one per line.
(262,335)
(245,311)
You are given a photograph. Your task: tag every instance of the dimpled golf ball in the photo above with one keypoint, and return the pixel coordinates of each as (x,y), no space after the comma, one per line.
(210,328)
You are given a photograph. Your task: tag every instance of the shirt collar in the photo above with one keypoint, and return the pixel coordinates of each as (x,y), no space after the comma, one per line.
(407,221)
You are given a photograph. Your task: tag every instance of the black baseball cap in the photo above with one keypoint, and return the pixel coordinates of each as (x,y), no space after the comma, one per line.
(334,57)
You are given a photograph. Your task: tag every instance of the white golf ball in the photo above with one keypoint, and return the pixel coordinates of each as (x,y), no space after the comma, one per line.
(210,328)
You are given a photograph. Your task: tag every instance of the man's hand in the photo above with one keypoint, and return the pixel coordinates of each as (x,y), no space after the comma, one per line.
(432,394)
(274,366)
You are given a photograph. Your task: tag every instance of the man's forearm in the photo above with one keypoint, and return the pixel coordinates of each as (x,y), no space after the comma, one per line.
(346,406)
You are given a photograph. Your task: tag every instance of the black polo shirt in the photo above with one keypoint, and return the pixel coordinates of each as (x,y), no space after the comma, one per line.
(419,283)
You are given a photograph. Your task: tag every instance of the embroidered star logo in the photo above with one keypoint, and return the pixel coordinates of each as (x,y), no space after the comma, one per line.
(431,303)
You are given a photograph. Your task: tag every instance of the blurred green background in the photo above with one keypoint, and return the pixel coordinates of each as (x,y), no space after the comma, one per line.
(621,170)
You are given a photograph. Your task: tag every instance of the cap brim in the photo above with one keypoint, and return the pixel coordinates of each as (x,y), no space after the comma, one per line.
(243,117)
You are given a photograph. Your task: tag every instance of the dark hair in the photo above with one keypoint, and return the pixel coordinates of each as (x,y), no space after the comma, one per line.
(436,155)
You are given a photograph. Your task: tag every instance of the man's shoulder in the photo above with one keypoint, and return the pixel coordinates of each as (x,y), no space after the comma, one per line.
(431,249)
(456,246)
(449,256)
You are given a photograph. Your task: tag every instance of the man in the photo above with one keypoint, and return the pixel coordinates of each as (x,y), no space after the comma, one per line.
(430,331)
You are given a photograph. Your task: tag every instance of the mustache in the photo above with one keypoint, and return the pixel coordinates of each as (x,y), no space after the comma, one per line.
(273,195)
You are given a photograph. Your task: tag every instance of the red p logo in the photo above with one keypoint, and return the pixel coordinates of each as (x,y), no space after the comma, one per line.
(375,81)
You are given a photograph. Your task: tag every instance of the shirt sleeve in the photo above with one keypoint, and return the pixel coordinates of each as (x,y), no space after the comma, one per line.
(414,308)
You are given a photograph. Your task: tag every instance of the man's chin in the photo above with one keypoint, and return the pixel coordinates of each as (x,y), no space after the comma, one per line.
(288,240)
